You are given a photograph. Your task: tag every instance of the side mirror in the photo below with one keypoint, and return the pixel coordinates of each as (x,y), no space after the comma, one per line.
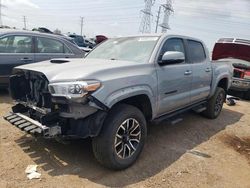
(172,57)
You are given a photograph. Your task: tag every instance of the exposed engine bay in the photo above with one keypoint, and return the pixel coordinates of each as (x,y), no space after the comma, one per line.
(31,88)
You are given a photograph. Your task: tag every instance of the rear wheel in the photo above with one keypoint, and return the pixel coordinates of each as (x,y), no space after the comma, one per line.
(215,104)
(122,137)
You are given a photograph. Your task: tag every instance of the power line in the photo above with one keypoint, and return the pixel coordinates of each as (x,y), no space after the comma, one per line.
(145,26)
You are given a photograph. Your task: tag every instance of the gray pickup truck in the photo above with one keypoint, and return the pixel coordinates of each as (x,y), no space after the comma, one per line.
(116,91)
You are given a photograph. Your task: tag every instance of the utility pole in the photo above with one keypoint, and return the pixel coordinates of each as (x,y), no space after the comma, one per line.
(168,9)
(24,22)
(1,22)
(145,26)
(157,19)
(81,24)
(1,13)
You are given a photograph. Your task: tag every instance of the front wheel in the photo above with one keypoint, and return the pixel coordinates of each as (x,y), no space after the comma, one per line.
(122,137)
(215,104)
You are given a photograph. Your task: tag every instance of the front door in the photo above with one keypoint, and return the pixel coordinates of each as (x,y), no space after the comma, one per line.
(174,80)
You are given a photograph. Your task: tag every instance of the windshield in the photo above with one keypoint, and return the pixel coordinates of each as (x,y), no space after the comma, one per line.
(137,49)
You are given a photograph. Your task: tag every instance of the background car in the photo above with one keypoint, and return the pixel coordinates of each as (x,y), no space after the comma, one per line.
(81,41)
(84,44)
(100,38)
(23,47)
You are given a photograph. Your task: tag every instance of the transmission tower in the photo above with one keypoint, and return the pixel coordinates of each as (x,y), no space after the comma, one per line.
(145,26)
(168,10)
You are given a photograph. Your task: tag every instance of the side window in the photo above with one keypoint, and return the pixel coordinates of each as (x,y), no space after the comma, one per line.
(16,44)
(173,44)
(47,45)
(196,51)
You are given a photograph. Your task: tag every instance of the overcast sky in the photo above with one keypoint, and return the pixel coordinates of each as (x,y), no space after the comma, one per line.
(205,19)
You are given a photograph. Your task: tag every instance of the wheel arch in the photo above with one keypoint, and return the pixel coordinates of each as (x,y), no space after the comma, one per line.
(141,101)
(222,82)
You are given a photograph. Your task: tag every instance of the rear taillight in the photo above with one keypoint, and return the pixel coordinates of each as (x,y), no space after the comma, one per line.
(238,73)
(246,75)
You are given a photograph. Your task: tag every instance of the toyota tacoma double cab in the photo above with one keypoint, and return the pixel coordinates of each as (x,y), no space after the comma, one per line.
(116,91)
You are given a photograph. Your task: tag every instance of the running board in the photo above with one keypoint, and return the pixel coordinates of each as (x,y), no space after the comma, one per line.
(31,126)
(198,107)
(175,121)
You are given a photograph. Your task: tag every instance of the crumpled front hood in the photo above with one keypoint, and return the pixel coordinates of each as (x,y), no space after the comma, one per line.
(75,69)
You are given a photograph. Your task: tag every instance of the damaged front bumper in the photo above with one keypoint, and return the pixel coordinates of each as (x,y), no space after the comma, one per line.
(52,125)
(39,113)
(31,126)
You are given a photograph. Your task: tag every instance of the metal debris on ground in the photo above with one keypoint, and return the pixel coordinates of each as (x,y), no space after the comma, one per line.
(200,154)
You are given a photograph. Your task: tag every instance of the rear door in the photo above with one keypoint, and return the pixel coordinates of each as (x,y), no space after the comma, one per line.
(202,71)
(174,80)
(15,50)
(48,48)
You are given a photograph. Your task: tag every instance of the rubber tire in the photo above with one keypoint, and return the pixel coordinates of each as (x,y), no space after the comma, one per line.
(210,112)
(103,144)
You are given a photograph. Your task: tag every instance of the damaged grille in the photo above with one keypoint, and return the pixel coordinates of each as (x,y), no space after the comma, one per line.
(32,88)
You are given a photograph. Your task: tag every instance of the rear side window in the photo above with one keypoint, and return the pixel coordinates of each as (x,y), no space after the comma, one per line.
(196,51)
(47,45)
(16,44)
(67,50)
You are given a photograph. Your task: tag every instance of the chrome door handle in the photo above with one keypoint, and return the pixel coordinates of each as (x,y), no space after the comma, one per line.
(188,72)
(208,70)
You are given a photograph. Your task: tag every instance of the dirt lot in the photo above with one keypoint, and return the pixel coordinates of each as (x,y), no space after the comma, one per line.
(193,153)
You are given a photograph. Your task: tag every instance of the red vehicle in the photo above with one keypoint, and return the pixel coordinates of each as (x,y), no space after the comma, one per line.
(100,38)
(237,52)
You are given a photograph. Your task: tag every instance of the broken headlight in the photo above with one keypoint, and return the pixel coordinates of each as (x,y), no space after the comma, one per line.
(73,89)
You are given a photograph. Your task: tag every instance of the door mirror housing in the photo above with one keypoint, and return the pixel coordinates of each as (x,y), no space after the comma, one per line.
(172,57)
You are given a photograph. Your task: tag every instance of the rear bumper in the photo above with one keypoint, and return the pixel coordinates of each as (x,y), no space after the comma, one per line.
(240,84)
(31,126)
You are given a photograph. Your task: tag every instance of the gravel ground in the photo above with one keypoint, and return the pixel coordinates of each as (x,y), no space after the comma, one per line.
(196,152)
